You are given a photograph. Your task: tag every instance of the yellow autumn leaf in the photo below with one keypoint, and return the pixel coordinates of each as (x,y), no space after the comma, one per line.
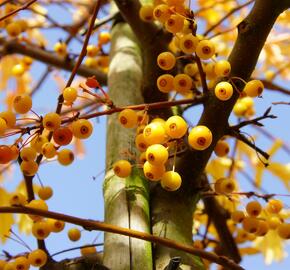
(271,246)
(6,220)
(282,171)
(24,223)
(6,65)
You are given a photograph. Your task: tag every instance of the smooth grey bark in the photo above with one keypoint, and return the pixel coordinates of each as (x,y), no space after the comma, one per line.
(126,201)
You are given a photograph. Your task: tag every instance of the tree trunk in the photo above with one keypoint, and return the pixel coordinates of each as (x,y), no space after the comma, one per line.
(126,201)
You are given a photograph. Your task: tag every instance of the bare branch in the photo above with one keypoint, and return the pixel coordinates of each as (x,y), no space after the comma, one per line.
(25,6)
(101,226)
(11,47)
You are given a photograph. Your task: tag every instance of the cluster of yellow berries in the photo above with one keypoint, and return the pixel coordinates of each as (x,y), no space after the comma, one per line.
(257,221)
(179,20)
(36,258)
(39,144)
(96,58)
(157,141)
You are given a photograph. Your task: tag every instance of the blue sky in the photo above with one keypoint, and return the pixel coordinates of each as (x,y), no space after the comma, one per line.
(76,192)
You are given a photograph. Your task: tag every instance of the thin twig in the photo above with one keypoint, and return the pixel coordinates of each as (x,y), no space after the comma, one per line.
(23,7)
(82,54)
(242,138)
(202,74)
(255,121)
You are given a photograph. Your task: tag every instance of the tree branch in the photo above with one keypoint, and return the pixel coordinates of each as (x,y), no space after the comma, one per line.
(24,6)
(12,46)
(244,139)
(255,121)
(101,226)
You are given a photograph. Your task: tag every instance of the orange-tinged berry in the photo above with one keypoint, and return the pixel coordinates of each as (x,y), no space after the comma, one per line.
(250,224)
(175,127)
(37,258)
(65,157)
(91,62)
(122,168)
(153,173)
(146,13)
(82,128)
(92,50)
(21,263)
(165,83)
(48,150)
(223,91)
(17,198)
(5,154)
(263,228)
(156,154)
(222,68)
(205,49)
(239,109)
(62,136)
(128,118)
(40,229)
(140,142)
(45,193)
(171,181)
(200,137)
(27,61)
(38,142)
(51,121)
(9,117)
(13,29)
(60,48)
(104,37)
(188,43)
(191,69)
(174,24)
(74,234)
(22,104)
(88,250)
(29,168)
(161,13)
(283,230)
(15,152)
(92,82)
(166,60)
(182,83)
(254,88)
(237,216)
(55,225)
(28,153)
(253,208)
(70,94)
(222,148)
(227,185)
(154,133)
(274,206)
